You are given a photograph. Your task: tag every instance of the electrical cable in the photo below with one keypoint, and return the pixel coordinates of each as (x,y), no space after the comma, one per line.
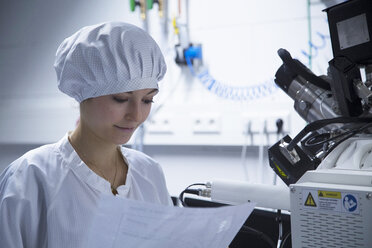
(317,139)
(230,92)
(286,236)
(243,153)
(320,124)
(280,226)
(261,166)
(327,139)
(261,235)
(359,130)
(190,191)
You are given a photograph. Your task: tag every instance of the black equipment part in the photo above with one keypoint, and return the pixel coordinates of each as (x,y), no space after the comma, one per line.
(262,220)
(350,27)
(344,72)
(290,172)
(291,68)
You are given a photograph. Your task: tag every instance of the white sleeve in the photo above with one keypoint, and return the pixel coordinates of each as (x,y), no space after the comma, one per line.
(165,198)
(22,208)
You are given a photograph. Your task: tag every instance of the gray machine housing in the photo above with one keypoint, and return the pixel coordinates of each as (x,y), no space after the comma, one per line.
(325,221)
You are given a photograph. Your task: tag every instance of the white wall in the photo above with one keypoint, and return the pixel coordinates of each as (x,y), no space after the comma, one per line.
(32,109)
(239,38)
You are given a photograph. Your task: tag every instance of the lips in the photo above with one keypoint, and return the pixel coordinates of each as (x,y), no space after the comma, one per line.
(126,129)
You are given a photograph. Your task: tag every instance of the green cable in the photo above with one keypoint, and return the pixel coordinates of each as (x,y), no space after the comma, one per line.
(132,5)
(149,4)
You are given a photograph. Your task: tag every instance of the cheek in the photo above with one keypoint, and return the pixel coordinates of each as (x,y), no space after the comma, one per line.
(111,114)
(102,114)
(145,112)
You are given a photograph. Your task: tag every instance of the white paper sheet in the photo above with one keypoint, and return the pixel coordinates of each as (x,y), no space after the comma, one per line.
(124,223)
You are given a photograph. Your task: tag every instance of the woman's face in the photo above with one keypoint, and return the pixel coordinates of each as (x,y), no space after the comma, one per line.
(114,118)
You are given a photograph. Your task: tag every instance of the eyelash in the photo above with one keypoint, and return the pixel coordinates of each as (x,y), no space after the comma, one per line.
(118,100)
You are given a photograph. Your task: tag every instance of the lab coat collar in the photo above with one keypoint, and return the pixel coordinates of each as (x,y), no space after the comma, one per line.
(81,170)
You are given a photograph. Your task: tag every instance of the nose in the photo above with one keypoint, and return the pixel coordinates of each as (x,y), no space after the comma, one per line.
(133,112)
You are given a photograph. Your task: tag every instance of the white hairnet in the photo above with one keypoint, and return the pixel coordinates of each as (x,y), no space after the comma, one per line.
(108,58)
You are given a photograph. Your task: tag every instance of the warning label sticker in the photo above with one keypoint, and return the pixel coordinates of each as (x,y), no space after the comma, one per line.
(331,201)
(310,199)
(329,194)
(310,202)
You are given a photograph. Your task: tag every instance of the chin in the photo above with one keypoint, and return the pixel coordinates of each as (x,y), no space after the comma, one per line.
(119,137)
(122,140)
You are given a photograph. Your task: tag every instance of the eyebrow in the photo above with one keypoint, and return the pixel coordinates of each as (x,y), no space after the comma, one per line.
(154,90)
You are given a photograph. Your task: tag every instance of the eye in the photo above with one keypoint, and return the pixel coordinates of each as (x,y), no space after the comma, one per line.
(119,100)
(148,101)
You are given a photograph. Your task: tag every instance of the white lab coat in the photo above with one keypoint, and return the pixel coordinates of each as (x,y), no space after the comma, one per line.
(49,196)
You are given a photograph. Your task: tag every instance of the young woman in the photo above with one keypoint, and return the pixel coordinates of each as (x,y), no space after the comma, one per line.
(49,195)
